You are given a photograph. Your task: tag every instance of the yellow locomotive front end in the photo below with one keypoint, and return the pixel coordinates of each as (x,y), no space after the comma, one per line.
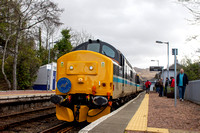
(84,86)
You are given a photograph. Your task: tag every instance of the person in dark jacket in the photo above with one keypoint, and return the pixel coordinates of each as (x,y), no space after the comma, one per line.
(182,81)
(157,86)
(161,87)
(166,84)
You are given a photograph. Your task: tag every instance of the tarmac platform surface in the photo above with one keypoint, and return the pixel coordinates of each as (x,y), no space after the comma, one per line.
(23,93)
(20,100)
(131,118)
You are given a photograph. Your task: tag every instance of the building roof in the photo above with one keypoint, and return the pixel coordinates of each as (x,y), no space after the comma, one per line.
(171,68)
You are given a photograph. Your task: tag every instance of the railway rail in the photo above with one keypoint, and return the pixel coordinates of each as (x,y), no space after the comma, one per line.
(61,128)
(19,118)
(43,118)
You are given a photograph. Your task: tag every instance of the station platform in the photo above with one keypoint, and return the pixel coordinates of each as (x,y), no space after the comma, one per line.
(20,100)
(149,113)
(22,93)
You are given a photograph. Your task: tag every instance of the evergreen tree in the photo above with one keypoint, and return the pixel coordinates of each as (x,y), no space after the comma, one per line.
(63,46)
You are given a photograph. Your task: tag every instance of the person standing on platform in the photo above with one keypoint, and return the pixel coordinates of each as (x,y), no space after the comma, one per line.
(182,81)
(166,84)
(172,85)
(161,87)
(157,86)
(148,84)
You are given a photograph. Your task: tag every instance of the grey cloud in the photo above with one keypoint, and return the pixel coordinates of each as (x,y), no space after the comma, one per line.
(132,26)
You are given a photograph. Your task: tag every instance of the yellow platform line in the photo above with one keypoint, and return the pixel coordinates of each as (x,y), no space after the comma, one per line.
(157,130)
(140,119)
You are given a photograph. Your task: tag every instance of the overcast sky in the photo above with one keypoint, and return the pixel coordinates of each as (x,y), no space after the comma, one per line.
(133,26)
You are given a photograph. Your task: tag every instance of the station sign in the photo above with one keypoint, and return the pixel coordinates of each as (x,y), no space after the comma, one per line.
(174,51)
(156,68)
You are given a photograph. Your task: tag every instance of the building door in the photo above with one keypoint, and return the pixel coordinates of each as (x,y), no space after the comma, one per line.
(54,80)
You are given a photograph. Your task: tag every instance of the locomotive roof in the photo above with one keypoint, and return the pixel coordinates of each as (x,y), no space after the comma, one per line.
(118,54)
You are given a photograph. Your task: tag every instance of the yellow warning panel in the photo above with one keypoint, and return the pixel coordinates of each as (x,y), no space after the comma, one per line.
(64,113)
(95,114)
(139,120)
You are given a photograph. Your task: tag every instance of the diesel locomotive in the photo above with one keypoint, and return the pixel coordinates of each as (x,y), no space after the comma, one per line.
(92,79)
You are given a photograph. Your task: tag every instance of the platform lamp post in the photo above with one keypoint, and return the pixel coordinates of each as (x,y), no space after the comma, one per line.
(49,67)
(167,57)
(157,61)
(175,52)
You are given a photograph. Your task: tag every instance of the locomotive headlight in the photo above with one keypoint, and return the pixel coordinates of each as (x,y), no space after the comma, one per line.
(71,67)
(91,68)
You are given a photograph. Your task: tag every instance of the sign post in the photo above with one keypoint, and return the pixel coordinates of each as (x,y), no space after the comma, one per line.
(48,76)
(156,68)
(175,52)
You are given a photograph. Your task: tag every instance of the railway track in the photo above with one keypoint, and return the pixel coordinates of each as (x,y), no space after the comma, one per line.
(43,118)
(61,128)
(8,121)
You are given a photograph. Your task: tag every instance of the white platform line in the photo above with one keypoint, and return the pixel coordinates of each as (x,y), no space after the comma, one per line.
(98,121)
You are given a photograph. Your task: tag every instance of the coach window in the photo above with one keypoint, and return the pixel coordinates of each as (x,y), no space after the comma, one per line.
(108,51)
(93,47)
(131,73)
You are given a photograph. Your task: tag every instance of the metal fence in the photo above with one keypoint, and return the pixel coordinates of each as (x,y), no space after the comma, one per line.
(192,92)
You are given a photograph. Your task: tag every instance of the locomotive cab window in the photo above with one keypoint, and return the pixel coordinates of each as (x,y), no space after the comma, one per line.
(94,47)
(81,47)
(108,51)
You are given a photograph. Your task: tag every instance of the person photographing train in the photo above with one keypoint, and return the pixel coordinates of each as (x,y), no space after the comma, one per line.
(148,84)
(182,81)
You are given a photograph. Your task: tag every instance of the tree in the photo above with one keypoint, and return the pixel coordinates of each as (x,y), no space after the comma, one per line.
(193,7)
(191,69)
(63,46)
(49,28)
(28,64)
(7,24)
(27,15)
(79,37)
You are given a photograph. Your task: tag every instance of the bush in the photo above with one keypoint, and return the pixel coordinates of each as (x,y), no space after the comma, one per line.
(28,65)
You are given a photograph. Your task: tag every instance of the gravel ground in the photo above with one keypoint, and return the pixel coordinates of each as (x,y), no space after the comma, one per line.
(163,114)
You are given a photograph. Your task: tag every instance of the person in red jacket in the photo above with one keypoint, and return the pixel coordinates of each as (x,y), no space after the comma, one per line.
(172,82)
(148,84)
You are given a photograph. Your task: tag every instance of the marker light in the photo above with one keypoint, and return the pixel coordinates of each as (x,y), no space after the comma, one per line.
(108,94)
(80,80)
(110,103)
(69,98)
(91,68)
(71,67)
(93,90)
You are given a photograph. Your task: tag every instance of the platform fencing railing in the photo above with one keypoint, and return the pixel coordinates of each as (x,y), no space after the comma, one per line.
(192,92)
